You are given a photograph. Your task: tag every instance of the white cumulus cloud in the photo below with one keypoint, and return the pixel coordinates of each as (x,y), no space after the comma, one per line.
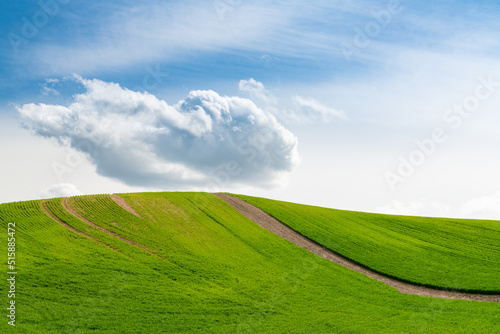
(141,140)
(487,207)
(60,190)
(256,90)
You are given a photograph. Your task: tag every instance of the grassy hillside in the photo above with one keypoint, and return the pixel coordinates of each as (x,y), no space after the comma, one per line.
(193,264)
(457,254)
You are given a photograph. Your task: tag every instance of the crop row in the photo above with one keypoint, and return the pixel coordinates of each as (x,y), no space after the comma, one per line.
(443,253)
(223,274)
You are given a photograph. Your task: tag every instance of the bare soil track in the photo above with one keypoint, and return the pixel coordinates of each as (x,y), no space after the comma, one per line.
(55,218)
(123,203)
(275,226)
(66,202)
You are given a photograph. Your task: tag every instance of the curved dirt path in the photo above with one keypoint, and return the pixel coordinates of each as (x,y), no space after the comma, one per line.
(49,213)
(275,226)
(67,206)
(124,205)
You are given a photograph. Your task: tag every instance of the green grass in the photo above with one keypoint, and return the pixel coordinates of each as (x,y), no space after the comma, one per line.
(456,254)
(212,271)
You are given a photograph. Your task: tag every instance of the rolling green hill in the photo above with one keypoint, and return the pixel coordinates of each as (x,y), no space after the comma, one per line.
(457,254)
(193,264)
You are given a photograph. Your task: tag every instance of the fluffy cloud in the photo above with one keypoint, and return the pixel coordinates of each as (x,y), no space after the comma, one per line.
(416,208)
(256,90)
(487,207)
(141,140)
(60,190)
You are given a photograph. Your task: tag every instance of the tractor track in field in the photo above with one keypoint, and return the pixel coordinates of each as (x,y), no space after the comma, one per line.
(69,208)
(273,225)
(69,227)
(124,205)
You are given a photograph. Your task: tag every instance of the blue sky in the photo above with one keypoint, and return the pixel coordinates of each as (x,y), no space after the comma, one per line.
(352,85)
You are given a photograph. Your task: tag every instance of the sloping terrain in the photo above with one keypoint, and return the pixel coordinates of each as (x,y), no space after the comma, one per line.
(457,254)
(275,226)
(194,264)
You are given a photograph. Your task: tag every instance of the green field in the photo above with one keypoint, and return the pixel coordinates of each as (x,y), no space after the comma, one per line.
(196,265)
(457,254)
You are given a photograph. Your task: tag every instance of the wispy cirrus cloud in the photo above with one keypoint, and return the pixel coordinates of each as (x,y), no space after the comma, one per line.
(287,31)
(418,64)
(294,109)
(312,110)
